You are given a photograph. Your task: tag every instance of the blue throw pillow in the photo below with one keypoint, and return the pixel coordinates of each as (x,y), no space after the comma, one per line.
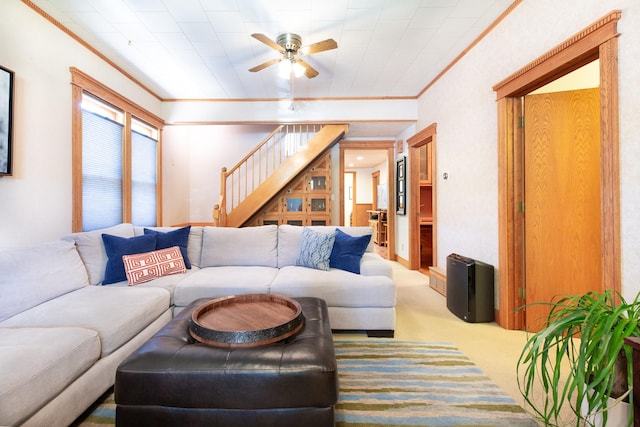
(315,249)
(348,250)
(169,239)
(116,247)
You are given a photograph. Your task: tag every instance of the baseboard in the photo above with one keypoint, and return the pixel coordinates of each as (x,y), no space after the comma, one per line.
(402,261)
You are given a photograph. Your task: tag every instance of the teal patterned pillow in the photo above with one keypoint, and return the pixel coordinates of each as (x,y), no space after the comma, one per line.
(315,249)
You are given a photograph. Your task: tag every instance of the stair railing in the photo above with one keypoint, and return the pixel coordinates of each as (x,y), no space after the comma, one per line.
(241,180)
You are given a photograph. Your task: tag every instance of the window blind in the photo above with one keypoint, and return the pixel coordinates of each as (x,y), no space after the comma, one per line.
(101,172)
(143,179)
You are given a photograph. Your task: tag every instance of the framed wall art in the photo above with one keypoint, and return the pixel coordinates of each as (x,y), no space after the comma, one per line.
(401,181)
(6,119)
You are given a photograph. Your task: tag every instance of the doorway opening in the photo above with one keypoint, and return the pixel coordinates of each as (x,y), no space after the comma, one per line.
(362,163)
(422,200)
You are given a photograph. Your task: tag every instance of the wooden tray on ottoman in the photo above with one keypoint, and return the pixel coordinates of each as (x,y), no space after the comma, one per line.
(246,320)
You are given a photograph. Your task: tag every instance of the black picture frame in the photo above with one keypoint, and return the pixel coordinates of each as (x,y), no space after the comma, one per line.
(401,188)
(6,120)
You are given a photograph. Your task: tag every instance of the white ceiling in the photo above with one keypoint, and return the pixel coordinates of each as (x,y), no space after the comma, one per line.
(202,49)
(359,159)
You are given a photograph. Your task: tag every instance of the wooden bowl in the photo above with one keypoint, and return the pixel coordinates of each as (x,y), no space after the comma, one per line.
(246,320)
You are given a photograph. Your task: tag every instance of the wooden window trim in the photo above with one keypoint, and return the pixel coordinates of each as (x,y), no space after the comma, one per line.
(82,83)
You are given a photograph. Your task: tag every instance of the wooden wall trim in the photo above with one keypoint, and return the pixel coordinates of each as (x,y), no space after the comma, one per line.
(510,277)
(94,87)
(391,208)
(353,144)
(477,40)
(610,165)
(573,53)
(93,50)
(413,208)
(424,136)
(76,158)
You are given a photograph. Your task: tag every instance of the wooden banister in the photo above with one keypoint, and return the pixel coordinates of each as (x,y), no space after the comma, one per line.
(255,150)
(267,159)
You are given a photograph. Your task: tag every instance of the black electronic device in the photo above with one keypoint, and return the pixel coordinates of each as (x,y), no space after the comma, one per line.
(470,289)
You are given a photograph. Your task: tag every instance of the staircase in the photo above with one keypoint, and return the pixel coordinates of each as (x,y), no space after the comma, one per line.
(272,164)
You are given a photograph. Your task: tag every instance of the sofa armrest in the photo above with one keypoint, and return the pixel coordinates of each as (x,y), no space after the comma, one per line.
(373,264)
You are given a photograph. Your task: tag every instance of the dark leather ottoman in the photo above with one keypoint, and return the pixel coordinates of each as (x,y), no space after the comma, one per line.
(173,380)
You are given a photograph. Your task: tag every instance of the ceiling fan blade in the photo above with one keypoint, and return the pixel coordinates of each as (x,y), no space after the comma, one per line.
(265,65)
(322,46)
(309,71)
(266,40)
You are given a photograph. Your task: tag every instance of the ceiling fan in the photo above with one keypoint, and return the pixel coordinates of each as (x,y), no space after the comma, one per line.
(290,46)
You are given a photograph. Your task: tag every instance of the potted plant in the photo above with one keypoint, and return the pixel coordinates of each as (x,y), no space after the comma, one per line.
(574,358)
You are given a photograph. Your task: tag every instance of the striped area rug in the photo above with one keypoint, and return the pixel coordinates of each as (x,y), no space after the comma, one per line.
(394,383)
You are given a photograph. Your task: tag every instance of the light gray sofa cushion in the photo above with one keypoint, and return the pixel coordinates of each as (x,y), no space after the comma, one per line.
(116,313)
(289,240)
(215,282)
(35,274)
(38,363)
(257,246)
(373,264)
(165,282)
(338,288)
(91,248)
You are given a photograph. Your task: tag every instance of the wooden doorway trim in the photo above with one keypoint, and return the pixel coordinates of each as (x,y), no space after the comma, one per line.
(391,208)
(598,41)
(425,136)
(375,179)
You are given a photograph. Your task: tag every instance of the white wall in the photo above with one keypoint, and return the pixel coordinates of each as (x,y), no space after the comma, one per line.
(348,202)
(278,111)
(364,193)
(193,159)
(383,179)
(364,188)
(35,203)
(402,221)
(463,105)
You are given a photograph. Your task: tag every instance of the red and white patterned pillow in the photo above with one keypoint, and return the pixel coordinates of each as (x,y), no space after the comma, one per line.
(147,266)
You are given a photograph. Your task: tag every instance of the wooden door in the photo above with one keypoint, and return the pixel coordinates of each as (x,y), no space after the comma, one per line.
(563,243)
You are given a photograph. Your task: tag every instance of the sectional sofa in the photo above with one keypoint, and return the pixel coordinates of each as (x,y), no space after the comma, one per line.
(67,320)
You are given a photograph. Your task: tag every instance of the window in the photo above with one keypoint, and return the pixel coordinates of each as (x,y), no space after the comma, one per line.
(101,171)
(143,174)
(116,152)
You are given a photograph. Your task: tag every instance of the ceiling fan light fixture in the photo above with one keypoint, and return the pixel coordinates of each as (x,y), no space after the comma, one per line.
(290,42)
(289,45)
(289,68)
(285,69)
(298,70)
